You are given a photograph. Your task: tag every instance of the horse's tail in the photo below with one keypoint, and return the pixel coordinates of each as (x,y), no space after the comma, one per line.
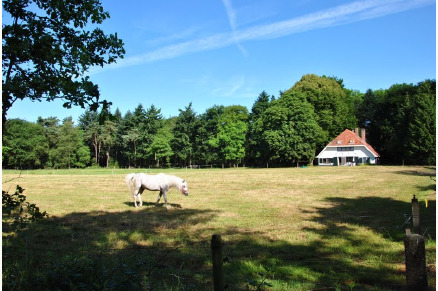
(128,180)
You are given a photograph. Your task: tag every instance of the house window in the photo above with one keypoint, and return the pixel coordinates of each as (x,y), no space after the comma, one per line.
(345,149)
(325,161)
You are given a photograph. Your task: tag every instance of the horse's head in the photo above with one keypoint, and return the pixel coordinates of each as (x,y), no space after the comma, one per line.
(184,188)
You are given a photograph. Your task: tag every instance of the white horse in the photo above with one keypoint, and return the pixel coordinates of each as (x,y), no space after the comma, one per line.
(159,182)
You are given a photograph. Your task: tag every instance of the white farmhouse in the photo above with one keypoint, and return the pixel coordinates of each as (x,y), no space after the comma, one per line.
(348,149)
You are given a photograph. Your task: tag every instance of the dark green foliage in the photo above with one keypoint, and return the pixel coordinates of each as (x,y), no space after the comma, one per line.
(333,109)
(25,145)
(289,130)
(24,212)
(208,125)
(257,149)
(229,141)
(401,122)
(46,51)
(184,134)
(70,150)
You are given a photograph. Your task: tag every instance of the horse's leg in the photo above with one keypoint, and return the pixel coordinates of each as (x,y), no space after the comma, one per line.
(158,199)
(165,198)
(136,192)
(135,200)
(139,196)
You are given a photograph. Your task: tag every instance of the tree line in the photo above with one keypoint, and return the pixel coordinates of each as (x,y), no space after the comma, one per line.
(285,130)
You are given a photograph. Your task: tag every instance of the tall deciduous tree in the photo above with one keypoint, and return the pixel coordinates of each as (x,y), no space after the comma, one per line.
(401,122)
(71,150)
(290,129)
(207,129)
(231,134)
(256,146)
(89,123)
(161,148)
(420,143)
(46,51)
(330,103)
(25,145)
(109,130)
(184,136)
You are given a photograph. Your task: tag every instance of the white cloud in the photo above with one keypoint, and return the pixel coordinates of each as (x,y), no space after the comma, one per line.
(180,35)
(234,86)
(229,88)
(231,13)
(340,15)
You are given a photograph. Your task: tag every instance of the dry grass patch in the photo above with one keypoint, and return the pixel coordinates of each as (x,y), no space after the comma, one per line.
(308,228)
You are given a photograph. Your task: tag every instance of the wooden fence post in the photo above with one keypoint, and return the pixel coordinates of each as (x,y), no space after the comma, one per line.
(415,255)
(217,258)
(416,215)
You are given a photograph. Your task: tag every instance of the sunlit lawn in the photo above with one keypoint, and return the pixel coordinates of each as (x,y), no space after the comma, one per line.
(284,229)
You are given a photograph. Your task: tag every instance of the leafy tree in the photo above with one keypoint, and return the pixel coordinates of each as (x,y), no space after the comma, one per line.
(161,146)
(184,134)
(89,123)
(420,144)
(153,125)
(71,150)
(131,140)
(400,122)
(231,134)
(370,115)
(206,130)
(25,145)
(367,108)
(109,130)
(396,119)
(256,147)
(290,129)
(330,104)
(154,120)
(353,99)
(138,121)
(51,129)
(47,50)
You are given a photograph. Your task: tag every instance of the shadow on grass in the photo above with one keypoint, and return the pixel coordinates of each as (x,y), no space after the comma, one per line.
(383,216)
(101,250)
(149,204)
(154,249)
(410,172)
(358,243)
(431,175)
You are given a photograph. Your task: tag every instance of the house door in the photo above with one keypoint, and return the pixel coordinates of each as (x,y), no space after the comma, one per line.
(343,161)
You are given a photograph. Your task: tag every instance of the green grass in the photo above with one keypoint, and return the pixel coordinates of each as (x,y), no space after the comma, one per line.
(283,229)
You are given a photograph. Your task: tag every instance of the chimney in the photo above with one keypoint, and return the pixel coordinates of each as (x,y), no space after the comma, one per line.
(363,135)
(356,131)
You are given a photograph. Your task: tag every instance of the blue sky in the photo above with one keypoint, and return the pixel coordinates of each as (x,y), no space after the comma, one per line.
(225,52)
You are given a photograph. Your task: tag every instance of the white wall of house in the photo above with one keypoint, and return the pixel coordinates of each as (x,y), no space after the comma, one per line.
(346,155)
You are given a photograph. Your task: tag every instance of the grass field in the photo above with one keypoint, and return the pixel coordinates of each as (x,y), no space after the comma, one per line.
(325,228)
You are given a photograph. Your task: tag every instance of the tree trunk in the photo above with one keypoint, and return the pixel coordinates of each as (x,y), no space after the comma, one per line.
(95,153)
(107,157)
